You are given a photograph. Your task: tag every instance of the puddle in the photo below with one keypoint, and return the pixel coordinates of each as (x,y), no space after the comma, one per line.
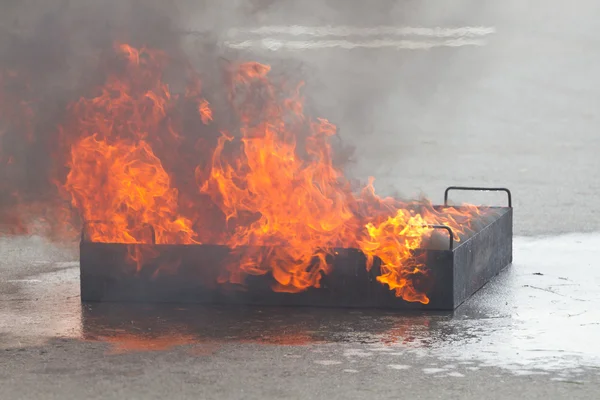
(543,313)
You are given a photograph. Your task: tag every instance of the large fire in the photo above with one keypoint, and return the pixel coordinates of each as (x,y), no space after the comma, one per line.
(135,169)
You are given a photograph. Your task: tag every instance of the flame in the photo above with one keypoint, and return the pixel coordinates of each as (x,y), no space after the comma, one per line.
(138,172)
(122,190)
(116,181)
(296,208)
(394,241)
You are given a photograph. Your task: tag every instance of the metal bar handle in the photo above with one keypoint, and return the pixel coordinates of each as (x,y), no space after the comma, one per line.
(477,189)
(446,228)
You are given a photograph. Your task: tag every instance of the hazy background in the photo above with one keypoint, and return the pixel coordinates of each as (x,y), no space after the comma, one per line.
(519,110)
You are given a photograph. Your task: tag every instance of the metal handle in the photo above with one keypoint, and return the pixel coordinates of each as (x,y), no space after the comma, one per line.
(447,228)
(477,189)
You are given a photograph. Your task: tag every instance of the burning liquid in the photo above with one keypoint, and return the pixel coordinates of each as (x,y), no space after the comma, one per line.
(147,164)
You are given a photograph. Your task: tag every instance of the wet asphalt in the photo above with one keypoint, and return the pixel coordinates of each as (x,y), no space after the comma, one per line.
(518,111)
(532,332)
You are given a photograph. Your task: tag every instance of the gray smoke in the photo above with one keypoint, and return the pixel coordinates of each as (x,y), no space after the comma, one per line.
(52,53)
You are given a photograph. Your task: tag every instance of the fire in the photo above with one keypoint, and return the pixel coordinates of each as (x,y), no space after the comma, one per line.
(137,171)
(291,210)
(115,180)
(124,194)
(394,241)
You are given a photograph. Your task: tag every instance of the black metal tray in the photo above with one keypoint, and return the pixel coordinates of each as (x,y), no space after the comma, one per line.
(454,274)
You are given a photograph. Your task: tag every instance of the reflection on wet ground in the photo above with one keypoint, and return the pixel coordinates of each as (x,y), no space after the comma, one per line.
(159,327)
(542,313)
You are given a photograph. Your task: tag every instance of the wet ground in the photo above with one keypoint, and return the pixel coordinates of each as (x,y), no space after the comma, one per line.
(519,109)
(535,324)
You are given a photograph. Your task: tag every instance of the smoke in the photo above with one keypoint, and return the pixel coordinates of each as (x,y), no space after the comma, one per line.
(53,53)
(398,77)
(50,55)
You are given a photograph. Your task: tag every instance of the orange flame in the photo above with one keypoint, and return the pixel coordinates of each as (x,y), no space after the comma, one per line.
(116,181)
(121,190)
(267,186)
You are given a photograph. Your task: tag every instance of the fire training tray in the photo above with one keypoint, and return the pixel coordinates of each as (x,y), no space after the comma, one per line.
(455,273)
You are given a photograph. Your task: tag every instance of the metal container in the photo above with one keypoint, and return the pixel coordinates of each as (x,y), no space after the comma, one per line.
(454,273)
